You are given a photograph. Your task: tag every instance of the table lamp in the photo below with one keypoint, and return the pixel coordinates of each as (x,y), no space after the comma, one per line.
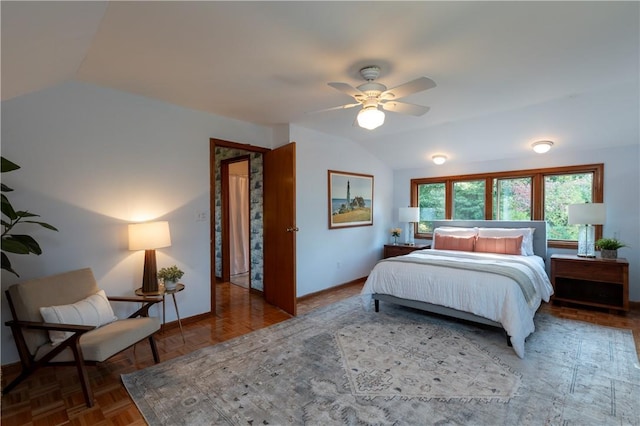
(409,215)
(149,236)
(587,214)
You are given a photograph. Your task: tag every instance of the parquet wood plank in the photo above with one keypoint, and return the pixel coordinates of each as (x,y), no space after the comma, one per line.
(52,396)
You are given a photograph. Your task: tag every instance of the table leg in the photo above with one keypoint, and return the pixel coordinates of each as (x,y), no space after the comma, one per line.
(164,313)
(178,315)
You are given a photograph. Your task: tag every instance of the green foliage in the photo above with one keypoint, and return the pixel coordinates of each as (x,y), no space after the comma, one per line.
(468,200)
(559,192)
(609,244)
(16,243)
(172,273)
(431,200)
(512,199)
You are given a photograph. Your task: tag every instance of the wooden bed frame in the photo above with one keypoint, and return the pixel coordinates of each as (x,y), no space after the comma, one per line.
(539,248)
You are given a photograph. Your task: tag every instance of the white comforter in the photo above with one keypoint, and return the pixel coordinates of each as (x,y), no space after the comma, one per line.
(496,297)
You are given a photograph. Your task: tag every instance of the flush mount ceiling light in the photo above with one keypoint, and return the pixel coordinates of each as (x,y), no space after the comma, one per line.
(439,159)
(370,117)
(542,146)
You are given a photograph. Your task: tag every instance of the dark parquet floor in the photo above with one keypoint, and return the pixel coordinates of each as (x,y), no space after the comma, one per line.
(52,396)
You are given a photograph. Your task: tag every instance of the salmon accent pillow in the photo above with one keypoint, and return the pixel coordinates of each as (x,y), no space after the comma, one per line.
(500,245)
(450,242)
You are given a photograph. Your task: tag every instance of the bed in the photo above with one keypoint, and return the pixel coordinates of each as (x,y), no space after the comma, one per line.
(503,289)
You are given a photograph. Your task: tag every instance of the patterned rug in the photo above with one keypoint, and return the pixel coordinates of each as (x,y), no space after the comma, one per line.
(344,365)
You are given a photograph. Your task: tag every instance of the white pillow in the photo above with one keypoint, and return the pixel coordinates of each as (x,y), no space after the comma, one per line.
(94,310)
(456,231)
(527,236)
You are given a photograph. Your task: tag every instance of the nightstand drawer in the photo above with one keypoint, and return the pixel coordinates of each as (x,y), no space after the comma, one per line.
(589,271)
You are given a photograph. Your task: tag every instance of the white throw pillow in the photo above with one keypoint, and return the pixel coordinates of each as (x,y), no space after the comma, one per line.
(527,236)
(454,231)
(94,310)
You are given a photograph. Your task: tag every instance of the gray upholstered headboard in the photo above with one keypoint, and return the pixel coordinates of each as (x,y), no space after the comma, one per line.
(539,236)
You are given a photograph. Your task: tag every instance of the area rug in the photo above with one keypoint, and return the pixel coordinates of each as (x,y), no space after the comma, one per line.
(344,365)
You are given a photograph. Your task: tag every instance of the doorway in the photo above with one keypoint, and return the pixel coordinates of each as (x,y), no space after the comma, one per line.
(237,202)
(271,217)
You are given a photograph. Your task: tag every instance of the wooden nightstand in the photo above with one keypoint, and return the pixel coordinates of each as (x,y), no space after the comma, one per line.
(603,283)
(391,250)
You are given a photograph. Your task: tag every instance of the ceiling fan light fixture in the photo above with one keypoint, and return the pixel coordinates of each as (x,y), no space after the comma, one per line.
(542,146)
(370,118)
(439,159)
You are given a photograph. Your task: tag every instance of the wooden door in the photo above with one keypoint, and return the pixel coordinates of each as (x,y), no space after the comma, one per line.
(280,227)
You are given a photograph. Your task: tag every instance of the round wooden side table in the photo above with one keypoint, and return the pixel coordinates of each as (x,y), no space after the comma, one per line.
(163,292)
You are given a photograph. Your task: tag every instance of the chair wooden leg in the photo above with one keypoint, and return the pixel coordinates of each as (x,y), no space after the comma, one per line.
(154,349)
(82,372)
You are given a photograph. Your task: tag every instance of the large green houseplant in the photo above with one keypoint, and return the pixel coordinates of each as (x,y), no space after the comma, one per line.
(12,242)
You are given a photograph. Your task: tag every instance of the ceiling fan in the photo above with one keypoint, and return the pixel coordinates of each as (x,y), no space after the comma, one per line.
(372,95)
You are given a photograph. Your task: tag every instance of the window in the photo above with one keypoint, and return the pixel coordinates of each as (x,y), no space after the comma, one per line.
(539,194)
(468,200)
(512,199)
(559,192)
(431,198)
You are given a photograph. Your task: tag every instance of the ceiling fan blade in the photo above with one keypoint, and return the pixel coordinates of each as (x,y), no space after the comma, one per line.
(345,88)
(405,108)
(336,107)
(406,89)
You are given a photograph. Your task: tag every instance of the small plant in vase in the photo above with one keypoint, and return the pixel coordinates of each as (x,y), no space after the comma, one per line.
(395,233)
(170,276)
(609,247)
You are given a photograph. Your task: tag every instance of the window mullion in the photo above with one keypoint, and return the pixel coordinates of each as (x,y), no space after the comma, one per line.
(448,208)
(488,198)
(537,193)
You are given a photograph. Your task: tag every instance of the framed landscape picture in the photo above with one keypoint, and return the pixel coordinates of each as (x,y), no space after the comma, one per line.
(350,199)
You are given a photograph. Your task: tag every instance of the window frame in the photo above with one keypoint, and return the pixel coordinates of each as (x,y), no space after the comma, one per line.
(537,193)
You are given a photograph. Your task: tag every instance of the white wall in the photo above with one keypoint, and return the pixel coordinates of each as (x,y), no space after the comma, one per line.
(621,197)
(329,257)
(95,159)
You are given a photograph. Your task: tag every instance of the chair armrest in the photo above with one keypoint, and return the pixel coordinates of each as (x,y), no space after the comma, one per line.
(51,326)
(142,299)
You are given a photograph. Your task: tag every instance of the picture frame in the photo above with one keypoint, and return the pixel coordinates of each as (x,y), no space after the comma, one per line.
(350,199)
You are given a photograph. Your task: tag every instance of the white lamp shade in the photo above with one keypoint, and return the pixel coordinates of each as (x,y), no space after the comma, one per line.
(409,214)
(370,118)
(149,235)
(587,214)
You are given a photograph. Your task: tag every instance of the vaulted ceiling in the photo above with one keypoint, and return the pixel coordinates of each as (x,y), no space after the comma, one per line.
(507,73)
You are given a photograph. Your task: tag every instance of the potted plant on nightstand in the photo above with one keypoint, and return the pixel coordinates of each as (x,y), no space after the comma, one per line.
(170,276)
(609,247)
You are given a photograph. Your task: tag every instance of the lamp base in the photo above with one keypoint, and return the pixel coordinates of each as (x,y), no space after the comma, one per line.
(408,236)
(150,273)
(586,241)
